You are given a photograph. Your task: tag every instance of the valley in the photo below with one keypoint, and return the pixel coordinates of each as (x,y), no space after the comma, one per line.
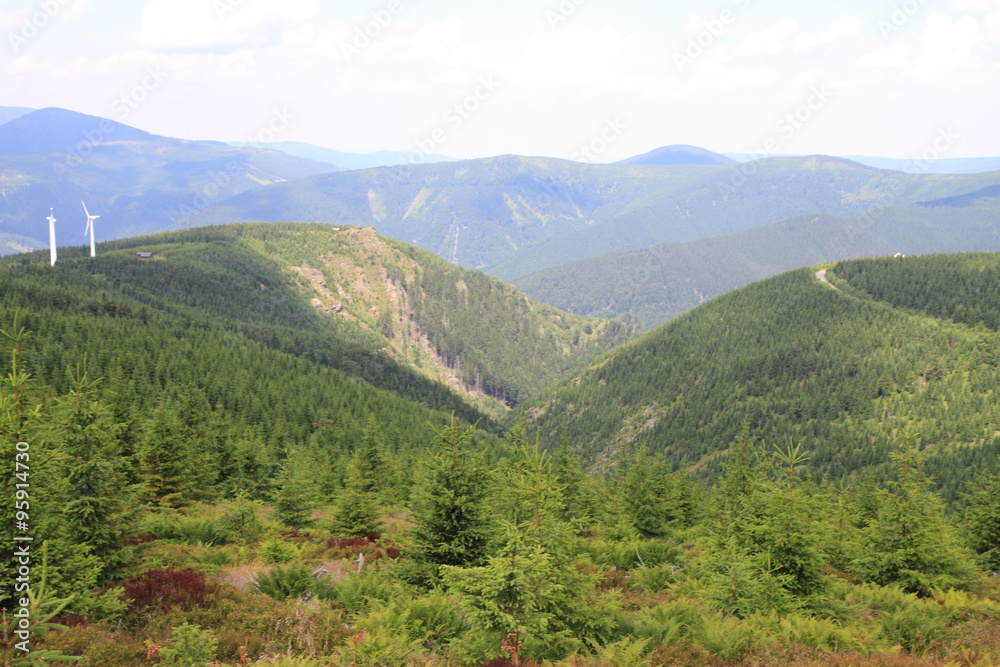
(293,414)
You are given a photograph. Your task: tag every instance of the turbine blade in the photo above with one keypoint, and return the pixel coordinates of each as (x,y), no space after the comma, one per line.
(85,208)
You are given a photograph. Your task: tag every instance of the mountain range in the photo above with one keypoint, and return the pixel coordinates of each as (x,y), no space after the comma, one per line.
(649,237)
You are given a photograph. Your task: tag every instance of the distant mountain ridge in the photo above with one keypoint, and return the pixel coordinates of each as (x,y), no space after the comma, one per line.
(136,181)
(8,114)
(967,165)
(513,216)
(678,154)
(52,130)
(351,160)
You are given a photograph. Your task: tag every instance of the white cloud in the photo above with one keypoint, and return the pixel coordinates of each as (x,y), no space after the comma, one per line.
(443,43)
(39,16)
(948,49)
(769,42)
(992,25)
(972,6)
(23,65)
(583,60)
(201,25)
(808,78)
(897,56)
(844,28)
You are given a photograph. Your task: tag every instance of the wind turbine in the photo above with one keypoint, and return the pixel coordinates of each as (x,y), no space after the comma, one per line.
(52,239)
(90,228)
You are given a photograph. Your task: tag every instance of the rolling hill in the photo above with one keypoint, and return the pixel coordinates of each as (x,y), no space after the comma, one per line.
(833,367)
(659,283)
(390,314)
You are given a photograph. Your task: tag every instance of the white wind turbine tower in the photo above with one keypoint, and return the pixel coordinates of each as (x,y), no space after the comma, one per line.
(90,228)
(52,239)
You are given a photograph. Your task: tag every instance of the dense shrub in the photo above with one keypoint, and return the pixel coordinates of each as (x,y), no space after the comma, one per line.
(159,590)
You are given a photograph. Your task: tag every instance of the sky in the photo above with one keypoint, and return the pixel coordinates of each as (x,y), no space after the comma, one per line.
(591,80)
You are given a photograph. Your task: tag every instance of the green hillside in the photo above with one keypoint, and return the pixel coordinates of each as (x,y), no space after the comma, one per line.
(393,315)
(659,283)
(222,471)
(512,215)
(832,369)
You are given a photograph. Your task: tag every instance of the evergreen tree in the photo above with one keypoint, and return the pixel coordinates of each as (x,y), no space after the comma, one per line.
(166,462)
(377,473)
(100,504)
(648,495)
(982,520)
(533,589)
(449,507)
(786,542)
(294,494)
(357,509)
(910,543)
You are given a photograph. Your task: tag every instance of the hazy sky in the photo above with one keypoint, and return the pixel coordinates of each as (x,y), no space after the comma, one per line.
(532,77)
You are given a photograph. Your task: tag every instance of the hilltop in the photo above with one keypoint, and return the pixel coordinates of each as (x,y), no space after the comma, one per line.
(678,154)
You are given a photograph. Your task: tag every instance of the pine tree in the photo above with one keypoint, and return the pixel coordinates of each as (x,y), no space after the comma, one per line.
(532,590)
(166,462)
(377,472)
(357,509)
(786,542)
(910,542)
(982,519)
(449,507)
(100,504)
(294,495)
(572,482)
(647,495)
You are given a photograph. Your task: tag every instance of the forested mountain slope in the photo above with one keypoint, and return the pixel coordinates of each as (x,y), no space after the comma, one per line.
(393,315)
(659,283)
(834,369)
